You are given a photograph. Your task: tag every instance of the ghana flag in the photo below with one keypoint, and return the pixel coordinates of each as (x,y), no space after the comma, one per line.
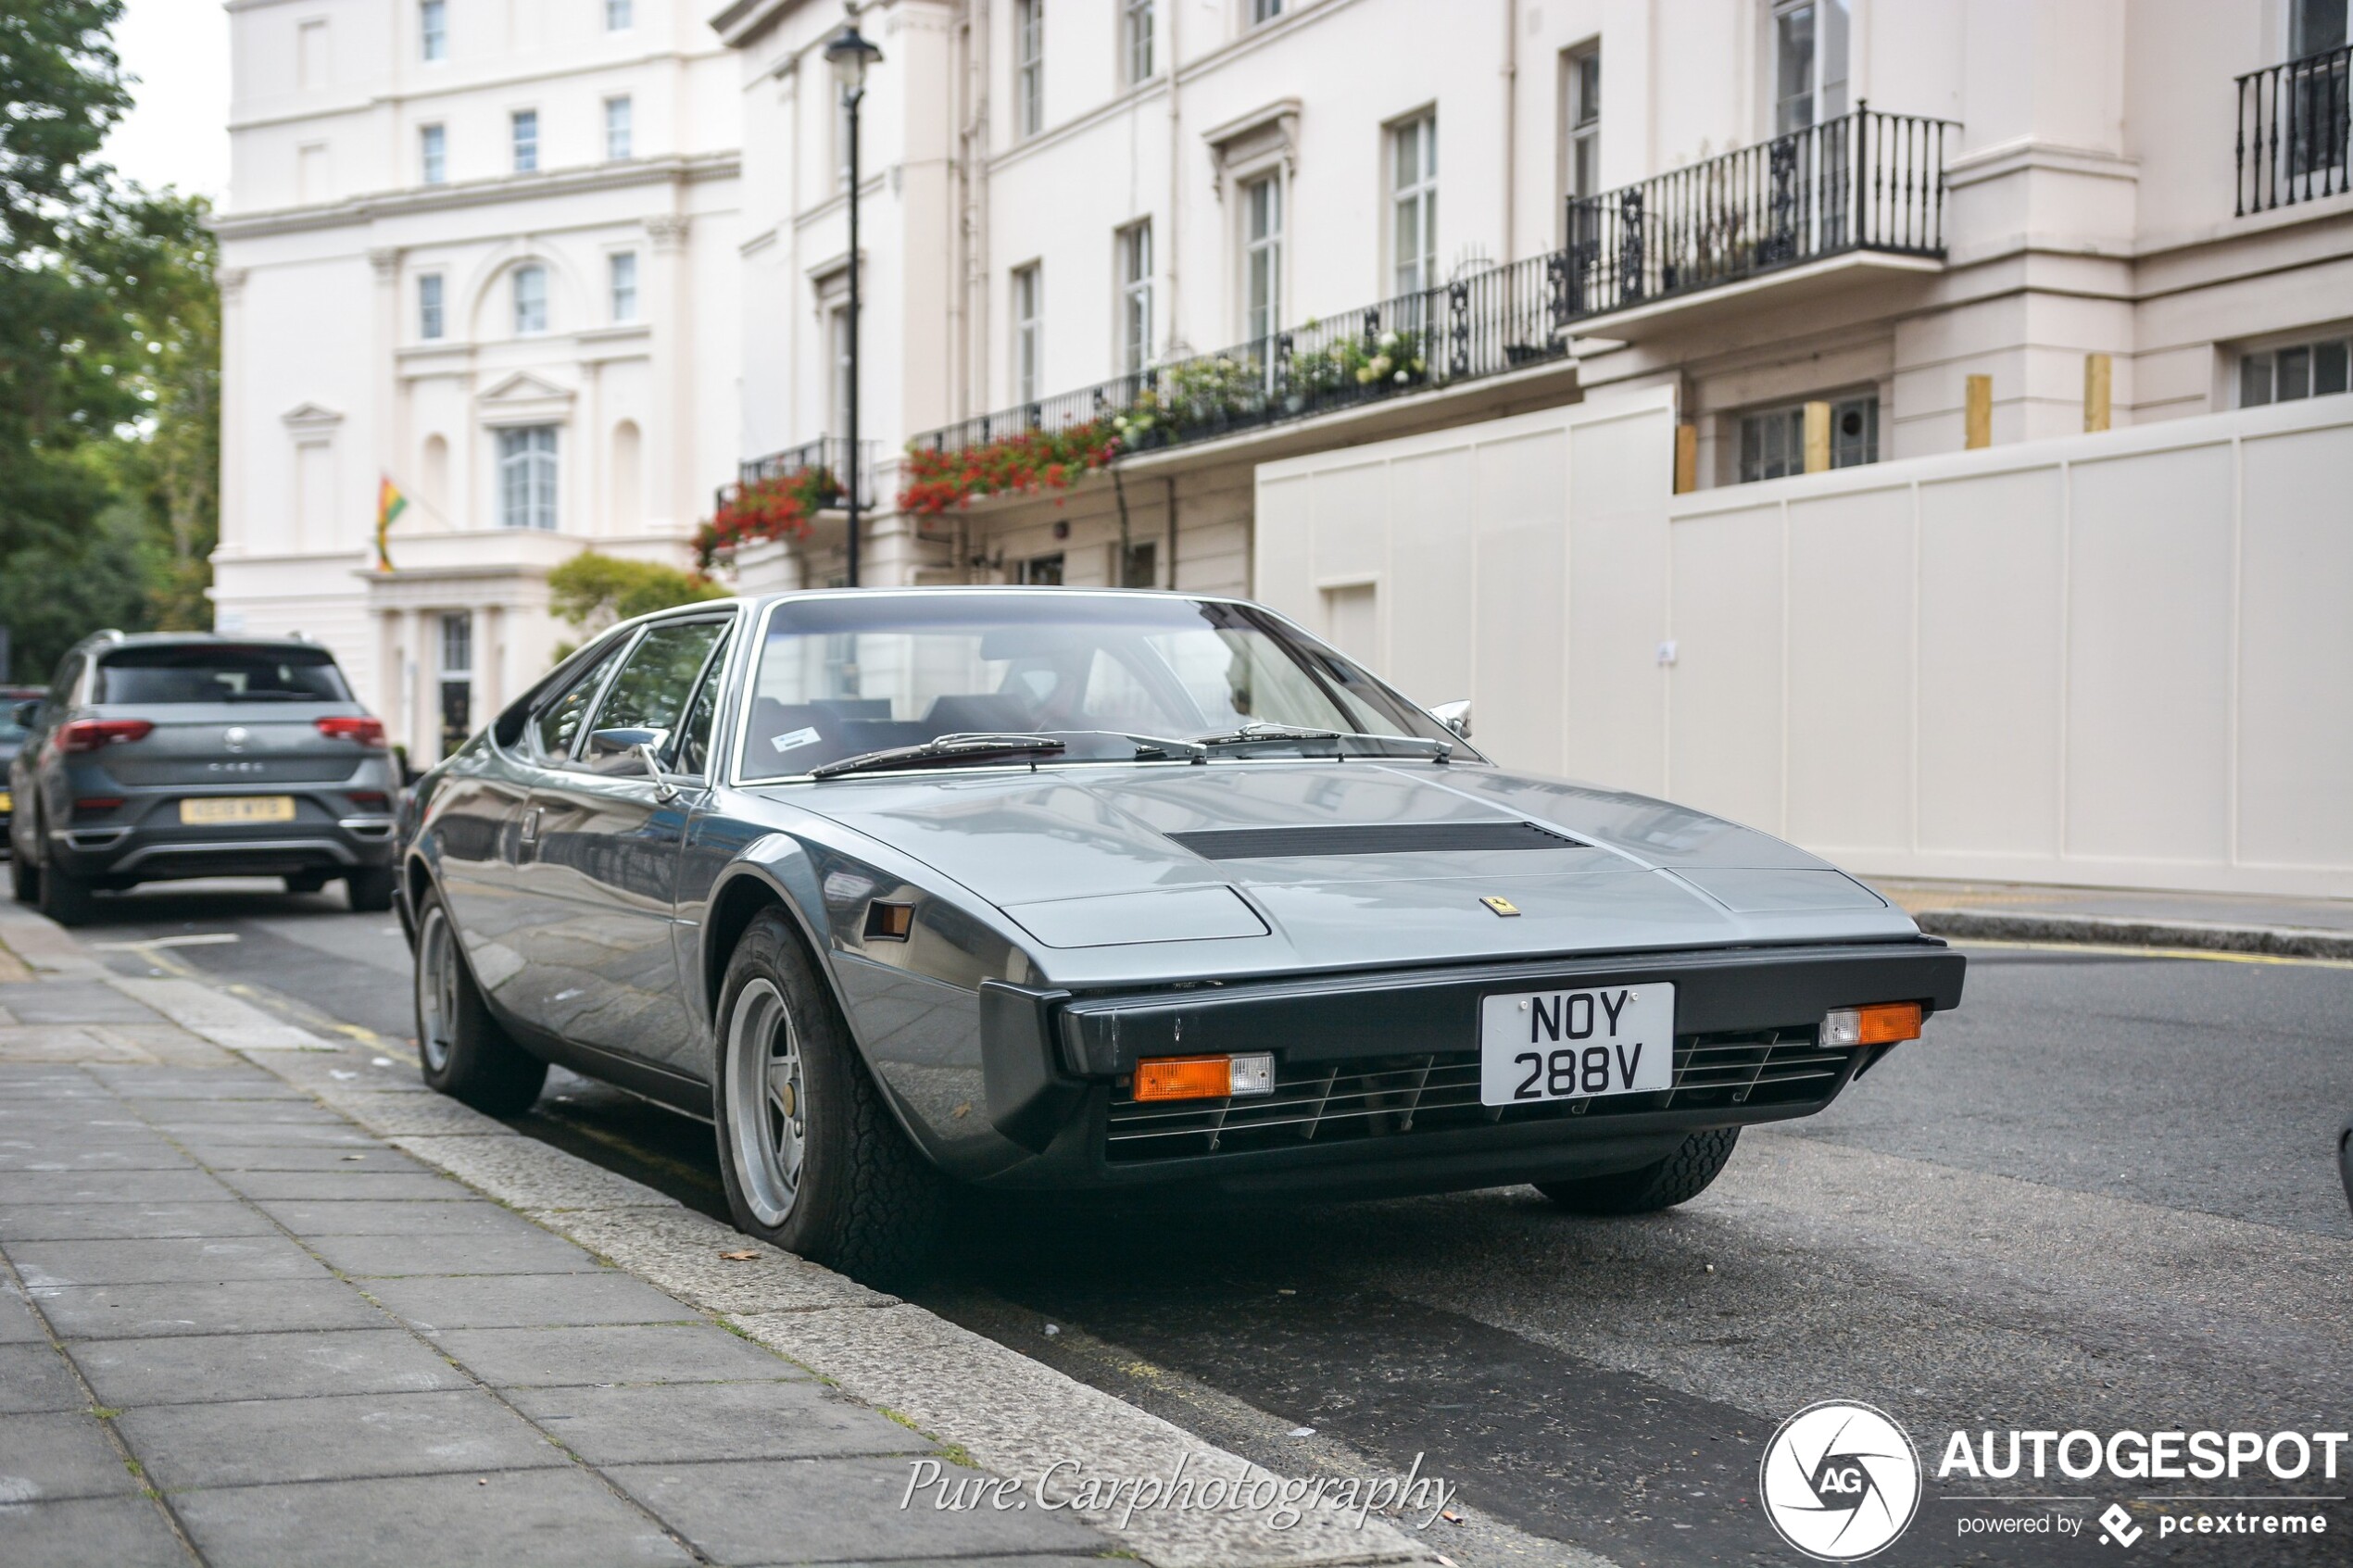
(390,504)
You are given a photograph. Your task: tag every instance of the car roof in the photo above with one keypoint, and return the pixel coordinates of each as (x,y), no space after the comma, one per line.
(103,640)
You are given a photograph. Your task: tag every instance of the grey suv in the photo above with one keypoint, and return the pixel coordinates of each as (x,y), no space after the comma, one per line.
(173,755)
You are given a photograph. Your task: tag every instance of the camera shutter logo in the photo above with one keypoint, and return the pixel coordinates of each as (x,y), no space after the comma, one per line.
(1840,1480)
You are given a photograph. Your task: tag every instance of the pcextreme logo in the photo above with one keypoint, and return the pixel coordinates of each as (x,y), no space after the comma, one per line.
(1840,1480)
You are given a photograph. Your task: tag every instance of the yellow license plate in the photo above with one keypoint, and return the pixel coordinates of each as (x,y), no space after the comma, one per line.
(237,808)
(7,803)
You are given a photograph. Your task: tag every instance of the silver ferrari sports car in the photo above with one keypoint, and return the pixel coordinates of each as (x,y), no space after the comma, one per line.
(1117,893)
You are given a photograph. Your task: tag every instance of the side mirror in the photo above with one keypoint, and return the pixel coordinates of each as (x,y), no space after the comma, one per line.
(645,744)
(24,714)
(1456,716)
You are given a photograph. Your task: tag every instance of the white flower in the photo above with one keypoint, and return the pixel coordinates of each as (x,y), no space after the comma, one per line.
(1402,378)
(1388,340)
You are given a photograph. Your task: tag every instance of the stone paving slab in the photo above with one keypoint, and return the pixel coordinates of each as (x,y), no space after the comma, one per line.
(526,1300)
(394,1255)
(133,1262)
(333,1438)
(118,1221)
(188,1185)
(520,1518)
(33,1380)
(149,1153)
(72,1002)
(683,1423)
(60,1455)
(828,1509)
(223,1159)
(147,1311)
(193,1369)
(454,1212)
(547,1357)
(90,1533)
(344,1182)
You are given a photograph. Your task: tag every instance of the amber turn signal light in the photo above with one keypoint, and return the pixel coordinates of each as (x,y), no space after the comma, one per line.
(1205,1077)
(1881,1023)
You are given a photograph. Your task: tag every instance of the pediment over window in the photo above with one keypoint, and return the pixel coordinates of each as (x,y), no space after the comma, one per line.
(1251,140)
(310,420)
(523,398)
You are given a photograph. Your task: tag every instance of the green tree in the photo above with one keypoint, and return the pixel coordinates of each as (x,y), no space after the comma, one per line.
(110,355)
(591,591)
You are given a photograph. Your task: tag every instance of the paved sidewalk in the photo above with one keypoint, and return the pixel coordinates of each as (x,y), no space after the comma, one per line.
(265,1300)
(2314,928)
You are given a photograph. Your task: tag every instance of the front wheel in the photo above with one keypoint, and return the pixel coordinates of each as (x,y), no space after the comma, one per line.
(67,898)
(1678,1178)
(465,1054)
(810,1154)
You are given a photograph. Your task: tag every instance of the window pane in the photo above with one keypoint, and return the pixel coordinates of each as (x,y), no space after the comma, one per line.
(2329,368)
(526,124)
(617,127)
(2254,381)
(1793,69)
(432,30)
(618,14)
(558,721)
(2294,374)
(651,691)
(432,148)
(429,305)
(531,299)
(2315,25)
(624,286)
(1855,432)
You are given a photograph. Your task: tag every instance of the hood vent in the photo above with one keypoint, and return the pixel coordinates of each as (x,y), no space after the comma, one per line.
(1373,838)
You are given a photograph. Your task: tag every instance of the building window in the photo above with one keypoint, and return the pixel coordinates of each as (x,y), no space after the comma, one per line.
(1135,297)
(1262,257)
(1136,21)
(2303,370)
(527,477)
(617,139)
(620,15)
(1773,440)
(1039,572)
(429,323)
(531,299)
(1413,163)
(622,268)
(432,154)
(1581,120)
(2315,27)
(457,680)
(1264,11)
(432,30)
(1142,567)
(526,129)
(1810,63)
(1028,302)
(1029,67)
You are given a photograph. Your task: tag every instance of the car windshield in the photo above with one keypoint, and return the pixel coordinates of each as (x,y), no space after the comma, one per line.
(840,677)
(218,673)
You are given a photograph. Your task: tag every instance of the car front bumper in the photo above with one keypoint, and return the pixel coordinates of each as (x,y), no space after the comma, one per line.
(1377,1081)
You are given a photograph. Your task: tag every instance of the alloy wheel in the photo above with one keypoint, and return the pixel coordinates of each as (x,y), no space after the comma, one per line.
(768,1101)
(436,989)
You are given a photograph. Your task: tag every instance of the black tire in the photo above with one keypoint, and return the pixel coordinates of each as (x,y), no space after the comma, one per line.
(369,889)
(1678,1178)
(462,1051)
(67,898)
(862,1199)
(305,882)
(24,880)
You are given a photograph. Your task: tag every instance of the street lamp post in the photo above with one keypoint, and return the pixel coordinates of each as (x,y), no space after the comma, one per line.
(850,54)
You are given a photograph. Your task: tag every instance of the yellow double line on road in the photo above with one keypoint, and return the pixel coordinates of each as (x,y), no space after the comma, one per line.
(2208,955)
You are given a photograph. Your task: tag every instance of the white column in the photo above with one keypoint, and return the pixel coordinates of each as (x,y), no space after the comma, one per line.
(666,446)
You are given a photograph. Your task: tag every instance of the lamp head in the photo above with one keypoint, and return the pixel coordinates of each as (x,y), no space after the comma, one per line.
(850,53)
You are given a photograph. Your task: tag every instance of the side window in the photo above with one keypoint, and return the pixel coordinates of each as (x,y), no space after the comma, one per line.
(654,687)
(690,749)
(61,696)
(556,723)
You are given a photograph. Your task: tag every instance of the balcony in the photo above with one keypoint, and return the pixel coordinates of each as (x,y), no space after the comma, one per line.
(781,496)
(2292,131)
(1865,182)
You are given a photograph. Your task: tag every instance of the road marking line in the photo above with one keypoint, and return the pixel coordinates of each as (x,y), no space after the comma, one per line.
(200,939)
(2208,954)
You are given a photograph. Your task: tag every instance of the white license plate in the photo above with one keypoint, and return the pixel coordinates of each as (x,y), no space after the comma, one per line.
(1576,1044)
(237,808)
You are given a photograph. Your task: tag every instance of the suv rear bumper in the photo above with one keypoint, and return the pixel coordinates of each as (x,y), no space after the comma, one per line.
(141,852)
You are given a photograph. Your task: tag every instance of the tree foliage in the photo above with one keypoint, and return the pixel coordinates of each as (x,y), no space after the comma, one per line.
(591,592)
(110,355)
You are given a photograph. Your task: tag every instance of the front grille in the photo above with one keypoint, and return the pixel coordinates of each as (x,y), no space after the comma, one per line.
(1402,1096)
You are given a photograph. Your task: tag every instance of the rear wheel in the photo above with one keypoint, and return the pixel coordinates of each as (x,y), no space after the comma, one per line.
(24,880)
(305,882)
(67,898)
(369,889)
(465,1054)
(1678,1178)
(811,1157)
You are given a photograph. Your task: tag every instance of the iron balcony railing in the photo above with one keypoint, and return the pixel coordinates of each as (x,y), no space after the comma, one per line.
(1863,181)
(827,454)
(2293,131)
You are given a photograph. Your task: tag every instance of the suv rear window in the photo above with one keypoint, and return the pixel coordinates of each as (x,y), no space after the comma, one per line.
(211,672)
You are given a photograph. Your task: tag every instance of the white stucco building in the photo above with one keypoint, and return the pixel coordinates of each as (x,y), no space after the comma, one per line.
(485,250)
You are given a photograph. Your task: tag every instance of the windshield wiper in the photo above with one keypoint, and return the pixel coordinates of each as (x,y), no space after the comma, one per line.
(942,749)
(1247,734)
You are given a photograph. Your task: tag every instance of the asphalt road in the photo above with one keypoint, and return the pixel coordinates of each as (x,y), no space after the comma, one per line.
(2100,1196)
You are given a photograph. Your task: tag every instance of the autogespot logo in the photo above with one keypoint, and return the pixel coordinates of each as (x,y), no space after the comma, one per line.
(1840,1480)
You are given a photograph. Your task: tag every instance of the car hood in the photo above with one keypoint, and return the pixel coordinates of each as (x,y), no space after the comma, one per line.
(1084,860)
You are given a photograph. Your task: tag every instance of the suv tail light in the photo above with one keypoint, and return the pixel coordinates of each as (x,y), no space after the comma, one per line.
(367,732)
(97,734)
